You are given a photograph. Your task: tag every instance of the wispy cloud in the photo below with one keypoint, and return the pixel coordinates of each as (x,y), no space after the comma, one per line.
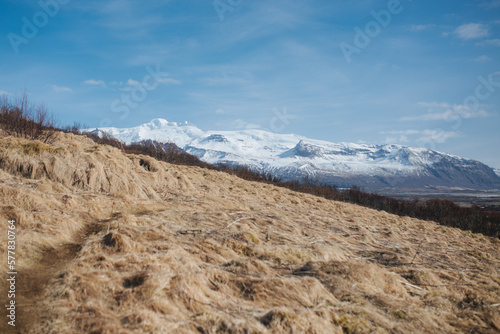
(421,27)
(132,82)
(427,135)
(169,81)
(240,124)
(444,111)
(221,80)
(489,42)
(490,4)
(264,18)
(471,31)
(92,82)
(2,92)
(61,89)
(436,136)
(483,59)
(123,15)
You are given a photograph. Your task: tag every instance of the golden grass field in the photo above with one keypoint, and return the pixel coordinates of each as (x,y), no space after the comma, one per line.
(115,243)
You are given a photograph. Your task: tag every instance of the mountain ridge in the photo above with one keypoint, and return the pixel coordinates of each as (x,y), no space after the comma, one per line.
(294,157)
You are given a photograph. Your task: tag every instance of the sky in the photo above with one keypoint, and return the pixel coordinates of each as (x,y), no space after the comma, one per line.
(418,73)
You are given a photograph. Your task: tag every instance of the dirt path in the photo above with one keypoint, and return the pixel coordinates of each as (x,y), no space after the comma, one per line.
(32,283)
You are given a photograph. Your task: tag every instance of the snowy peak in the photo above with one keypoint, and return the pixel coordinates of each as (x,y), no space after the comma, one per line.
(157,123)
(293,157)
(159,130)
(215,138)
(103,134)
(160,123)
(303,150)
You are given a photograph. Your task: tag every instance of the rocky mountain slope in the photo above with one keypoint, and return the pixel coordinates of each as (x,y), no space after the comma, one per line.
(115,243)
(292,157)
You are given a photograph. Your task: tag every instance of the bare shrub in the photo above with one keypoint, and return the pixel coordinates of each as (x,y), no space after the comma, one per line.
(76,128)
(21,118)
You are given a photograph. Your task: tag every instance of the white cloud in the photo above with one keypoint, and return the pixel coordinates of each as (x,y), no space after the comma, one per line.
(169,81)
(2,92)
(482,59)
(433,105)
(471,31)
(398,139)
(444,112)
(162,81)
(491,4)
(132,82)
(240,124)
(401,132)
(61,89)
(421,27)
(436,136)
(268,18)
(427,135)
(220,80)
(489,42)
(221,111)
(92,82)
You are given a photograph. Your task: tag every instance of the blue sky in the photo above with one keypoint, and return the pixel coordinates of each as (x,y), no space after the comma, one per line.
(419,73)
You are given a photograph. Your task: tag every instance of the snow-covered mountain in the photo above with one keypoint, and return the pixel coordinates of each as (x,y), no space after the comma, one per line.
(374,167)
(497,171)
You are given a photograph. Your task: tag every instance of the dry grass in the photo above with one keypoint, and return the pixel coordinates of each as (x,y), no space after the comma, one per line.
(110,243)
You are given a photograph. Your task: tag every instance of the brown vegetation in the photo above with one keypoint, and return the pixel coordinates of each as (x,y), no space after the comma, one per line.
(444,212)
(112,242)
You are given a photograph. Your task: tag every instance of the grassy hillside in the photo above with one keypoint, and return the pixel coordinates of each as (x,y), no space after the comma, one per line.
(109,242)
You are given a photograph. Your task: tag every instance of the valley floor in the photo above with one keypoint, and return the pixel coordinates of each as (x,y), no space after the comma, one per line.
(114,243)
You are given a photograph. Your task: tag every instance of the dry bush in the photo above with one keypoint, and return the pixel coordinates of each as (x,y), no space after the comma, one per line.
(21,118)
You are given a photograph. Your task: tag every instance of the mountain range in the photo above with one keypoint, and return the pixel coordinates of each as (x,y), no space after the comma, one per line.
(293,157)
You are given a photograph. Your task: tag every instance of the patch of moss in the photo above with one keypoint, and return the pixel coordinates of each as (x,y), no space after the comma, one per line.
(400,314)
(249,237)
(33,148)
(351,324)
(271,258)
(92,149)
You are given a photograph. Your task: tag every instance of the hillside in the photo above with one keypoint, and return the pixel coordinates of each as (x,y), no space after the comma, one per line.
(115,243)
(292,157)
